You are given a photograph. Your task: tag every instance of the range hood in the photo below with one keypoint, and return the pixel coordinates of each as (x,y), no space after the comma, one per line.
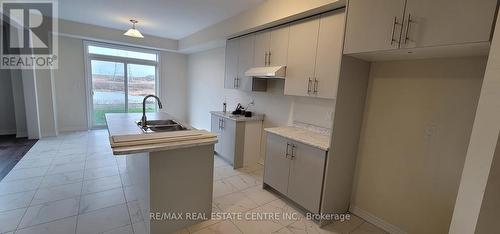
(267,72)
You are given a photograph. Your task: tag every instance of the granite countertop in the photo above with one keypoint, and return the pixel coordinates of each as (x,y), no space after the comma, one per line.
(228,115)
(302,135)
(127,138)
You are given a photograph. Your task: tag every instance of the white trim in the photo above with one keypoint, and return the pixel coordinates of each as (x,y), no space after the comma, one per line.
(371,218)
(54,102)
(88,84)
(122,47)
(72,129)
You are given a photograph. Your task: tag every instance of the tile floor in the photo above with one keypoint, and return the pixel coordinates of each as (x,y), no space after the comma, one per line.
(73,184)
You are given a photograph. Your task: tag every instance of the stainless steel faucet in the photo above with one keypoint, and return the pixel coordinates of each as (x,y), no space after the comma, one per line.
(144,119)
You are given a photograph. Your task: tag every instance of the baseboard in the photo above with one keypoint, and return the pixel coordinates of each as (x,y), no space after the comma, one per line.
(8,132)
(371,218)
(22,134)
(72,129)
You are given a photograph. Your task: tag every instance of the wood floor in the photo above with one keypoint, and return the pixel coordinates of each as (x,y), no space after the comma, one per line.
(12,149)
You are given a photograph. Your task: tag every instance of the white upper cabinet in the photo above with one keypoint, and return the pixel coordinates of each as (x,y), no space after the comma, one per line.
(261,52)
(447,22)
(329,55)
(314,56)
(271,47)
(245,62)
(278,48)
(231,73)
(311,50)
(240,58)
(373,25)
(302,47)
(384,25)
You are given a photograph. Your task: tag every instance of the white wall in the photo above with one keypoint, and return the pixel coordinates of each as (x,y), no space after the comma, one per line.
(46,102)
(31,103)
(70,86)
(19,106)
(205,89)
(71,92)
(417,124)
(173,77)
(490,207)
(481,148)
(7,113)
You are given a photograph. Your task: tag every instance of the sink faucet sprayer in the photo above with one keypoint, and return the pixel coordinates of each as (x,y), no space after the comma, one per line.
(144,119)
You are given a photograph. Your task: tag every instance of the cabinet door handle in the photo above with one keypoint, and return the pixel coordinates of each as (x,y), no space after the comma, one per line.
(265,59)
(269,58)
(309,86)
(394,23)
(315,85)
(222,123)
(236,82)
(286,153)
(408,28)
(293,151)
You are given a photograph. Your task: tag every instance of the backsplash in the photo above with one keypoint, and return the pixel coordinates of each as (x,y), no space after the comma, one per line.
(313,128)
(207,93)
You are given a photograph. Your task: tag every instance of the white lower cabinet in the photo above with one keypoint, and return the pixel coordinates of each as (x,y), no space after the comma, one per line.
(306,176)
(277,165)
(238,140)
(295,170)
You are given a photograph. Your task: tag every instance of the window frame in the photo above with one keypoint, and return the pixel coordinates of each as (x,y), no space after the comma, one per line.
(88,57)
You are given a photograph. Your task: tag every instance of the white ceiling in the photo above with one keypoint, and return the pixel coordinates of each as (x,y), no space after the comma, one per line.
(164,18)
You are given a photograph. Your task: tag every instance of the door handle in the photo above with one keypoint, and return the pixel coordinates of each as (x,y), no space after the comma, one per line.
(408,28)
(236,83)
(265,59)
(293,151)
(222,123)
(287,146)
(269,58)
(309,86)
(394,23)
(315,85)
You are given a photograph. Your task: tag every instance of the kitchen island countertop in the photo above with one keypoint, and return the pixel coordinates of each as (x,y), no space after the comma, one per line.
(127,138)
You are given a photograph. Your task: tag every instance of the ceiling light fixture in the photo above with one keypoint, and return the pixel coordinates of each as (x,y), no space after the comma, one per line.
(133,32)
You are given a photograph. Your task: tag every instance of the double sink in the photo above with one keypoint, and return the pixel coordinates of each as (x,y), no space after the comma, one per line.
(168,125)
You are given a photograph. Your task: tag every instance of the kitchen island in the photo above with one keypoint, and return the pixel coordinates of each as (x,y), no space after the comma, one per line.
(171,170)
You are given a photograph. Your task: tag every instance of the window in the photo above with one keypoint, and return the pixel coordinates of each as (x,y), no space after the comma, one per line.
(118,79)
